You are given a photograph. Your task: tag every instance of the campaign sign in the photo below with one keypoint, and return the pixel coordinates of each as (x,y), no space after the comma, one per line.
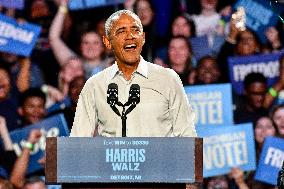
(16,4)
(85,4)
(271,159)
(17,38)
(212,103)
(225,147)
(259,15)
(240,66)
(53,126)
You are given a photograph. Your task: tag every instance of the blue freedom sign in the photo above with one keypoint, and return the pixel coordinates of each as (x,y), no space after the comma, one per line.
(212,103)
(85,4)
(271,159)
(17,38)
(240,66)
(225,147)
(53,126)
(16,4)
(259,15)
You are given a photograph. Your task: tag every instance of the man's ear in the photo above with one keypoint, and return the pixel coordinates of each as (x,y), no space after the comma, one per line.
(107,43)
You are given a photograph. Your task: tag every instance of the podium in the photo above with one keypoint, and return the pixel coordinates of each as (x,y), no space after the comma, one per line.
(139,162)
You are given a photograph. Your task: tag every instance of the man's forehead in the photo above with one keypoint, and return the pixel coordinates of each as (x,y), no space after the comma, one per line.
(121,20)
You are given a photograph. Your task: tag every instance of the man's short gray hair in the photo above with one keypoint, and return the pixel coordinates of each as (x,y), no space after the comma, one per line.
(116,15)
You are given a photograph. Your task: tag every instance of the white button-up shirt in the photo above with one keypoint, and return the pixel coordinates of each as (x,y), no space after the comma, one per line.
(163,110)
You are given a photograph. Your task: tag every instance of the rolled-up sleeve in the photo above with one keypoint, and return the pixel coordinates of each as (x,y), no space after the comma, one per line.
(85,120)
(181,111)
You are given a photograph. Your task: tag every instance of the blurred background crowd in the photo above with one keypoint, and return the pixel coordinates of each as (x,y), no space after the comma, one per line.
(70,50)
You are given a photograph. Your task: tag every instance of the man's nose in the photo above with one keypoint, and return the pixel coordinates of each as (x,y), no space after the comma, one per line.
(130,35)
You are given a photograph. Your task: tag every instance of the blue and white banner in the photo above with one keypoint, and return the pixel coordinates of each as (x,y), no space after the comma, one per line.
(14,4)
(50,127)
(240,66)
(212,103)
(17,38)
(271,159)
(85,4)
(259,15)
(225,147)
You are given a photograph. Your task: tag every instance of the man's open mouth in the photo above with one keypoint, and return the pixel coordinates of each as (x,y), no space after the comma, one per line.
(130,47)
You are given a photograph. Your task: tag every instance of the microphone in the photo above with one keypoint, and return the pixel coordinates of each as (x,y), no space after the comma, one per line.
(112,97)
(134,97)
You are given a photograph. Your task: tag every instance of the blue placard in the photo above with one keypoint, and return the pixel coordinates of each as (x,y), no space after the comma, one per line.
(85,4)
(240,66)
(66,102)
(271,159)
(212,103)
(259,15)
(17,38)
(53,126)
(16,4)
(225,147)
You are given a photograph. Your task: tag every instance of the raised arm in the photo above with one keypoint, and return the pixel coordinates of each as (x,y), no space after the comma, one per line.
(23,78)
(61,51)
(4,134)
(21,165)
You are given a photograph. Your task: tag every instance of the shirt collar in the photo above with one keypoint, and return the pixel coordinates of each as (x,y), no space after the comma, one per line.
(142,69)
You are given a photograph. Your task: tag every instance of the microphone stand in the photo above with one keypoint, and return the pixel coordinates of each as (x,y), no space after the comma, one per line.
(123,119)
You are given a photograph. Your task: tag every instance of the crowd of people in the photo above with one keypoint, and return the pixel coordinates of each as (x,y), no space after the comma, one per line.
(70,50)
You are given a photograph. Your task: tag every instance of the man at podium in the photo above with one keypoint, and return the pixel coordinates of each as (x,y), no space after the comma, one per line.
(133,97)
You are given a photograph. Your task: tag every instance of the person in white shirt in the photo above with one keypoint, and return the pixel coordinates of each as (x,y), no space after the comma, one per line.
(163,110)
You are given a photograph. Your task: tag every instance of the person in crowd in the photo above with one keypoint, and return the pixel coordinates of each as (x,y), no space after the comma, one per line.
(34,183)
(75,88)
(145,10)
(5,184)
(250,106)
(274,43)
(24,73)
(207,21)
(207,71)
(8,104)
(41,12)
(238,43)
(32,106)
(180,58)
(275,94)
(91,46)
(277,115)
(264,127)
(182,25)
(7,154)
(18,174)
(162,102)
(72,69)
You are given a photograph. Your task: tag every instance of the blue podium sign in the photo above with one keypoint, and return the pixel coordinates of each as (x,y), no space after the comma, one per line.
(225,147)
(112,160)
(271,159)
(212,103)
